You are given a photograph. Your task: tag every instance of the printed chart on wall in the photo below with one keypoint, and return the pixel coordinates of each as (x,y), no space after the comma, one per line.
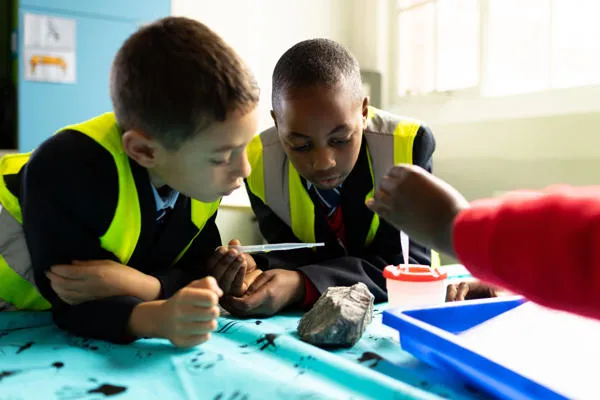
(49,49)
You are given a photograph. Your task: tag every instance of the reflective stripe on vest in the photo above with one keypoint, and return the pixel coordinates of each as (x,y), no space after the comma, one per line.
(16,289)
(16,285)
(122,235)
(11,164)
(389,141)
(404,132)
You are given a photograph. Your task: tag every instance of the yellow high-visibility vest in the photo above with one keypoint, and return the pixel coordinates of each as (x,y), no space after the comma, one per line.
(120,238)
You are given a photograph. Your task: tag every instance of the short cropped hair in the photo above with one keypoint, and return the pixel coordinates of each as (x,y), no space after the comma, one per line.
(315,62)
(175,77)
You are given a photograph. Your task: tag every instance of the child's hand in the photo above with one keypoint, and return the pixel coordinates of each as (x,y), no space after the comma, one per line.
(271,292)
(233,271)
(250,278)
(419,204)
(190,315)
(92,280)
(469,291)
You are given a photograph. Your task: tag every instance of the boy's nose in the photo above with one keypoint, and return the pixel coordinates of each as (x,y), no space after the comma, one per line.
(323,160)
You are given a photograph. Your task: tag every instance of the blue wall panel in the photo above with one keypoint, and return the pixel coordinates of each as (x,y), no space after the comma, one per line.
(101,27)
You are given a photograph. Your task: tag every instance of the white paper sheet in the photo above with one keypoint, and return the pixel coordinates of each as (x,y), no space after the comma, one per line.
(556,349)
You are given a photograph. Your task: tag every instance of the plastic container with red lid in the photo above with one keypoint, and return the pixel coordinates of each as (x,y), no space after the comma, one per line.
(414,286)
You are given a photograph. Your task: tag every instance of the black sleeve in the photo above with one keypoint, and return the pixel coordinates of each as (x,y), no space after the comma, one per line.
(192,265)
(423,148)
(367,267)
(346,271)
(68,198)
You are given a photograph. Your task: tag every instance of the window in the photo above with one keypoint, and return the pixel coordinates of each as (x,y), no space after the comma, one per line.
(435,53)
(457,44)
(417,50)
(517,46)
(500,47)
(575,43)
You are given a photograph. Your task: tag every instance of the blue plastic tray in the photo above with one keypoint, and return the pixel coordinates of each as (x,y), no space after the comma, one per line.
(430,334)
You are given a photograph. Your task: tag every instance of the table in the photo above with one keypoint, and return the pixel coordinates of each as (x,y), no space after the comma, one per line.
(244,360)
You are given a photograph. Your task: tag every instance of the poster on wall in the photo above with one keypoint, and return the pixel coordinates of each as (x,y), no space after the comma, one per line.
(49,49)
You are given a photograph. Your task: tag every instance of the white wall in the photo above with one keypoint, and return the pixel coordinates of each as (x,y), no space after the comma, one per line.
(261,31)
(369,40)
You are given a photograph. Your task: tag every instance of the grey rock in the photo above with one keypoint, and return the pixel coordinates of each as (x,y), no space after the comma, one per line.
(339,317)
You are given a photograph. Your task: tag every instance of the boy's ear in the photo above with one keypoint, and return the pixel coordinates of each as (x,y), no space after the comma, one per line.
(365,111)
(141,148)
(274,118)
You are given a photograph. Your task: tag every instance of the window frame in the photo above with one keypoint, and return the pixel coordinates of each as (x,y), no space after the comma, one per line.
(395,55)
(437,96)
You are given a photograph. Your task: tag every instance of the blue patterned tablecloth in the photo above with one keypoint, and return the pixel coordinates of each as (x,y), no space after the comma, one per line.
(244,360)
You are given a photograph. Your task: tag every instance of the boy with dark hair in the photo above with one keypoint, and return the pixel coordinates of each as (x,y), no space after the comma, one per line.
(118,212)
(312,173)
